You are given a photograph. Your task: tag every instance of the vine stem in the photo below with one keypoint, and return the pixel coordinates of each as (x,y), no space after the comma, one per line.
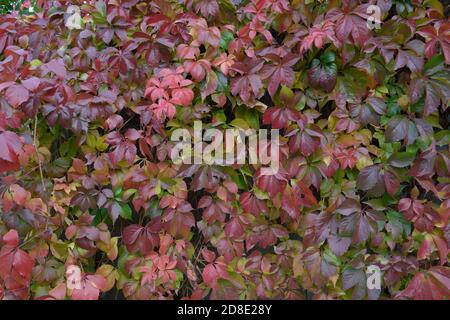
(37,152)
(43,214)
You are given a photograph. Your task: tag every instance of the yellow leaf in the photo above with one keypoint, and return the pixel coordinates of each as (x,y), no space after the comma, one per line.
(110,274)
(363,162)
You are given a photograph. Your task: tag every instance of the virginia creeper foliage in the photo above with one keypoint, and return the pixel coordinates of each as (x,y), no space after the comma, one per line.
(86,114)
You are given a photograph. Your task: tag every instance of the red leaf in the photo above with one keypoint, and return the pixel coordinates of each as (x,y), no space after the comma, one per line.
(308,197)
(163,109)
(425,248)
(234,228)
(16,95)
(207,7)
(371,179)
(442,248)
(10,146)
(213,272)
(11,238)
(15,264)
(318,35)
(91,285)
(351,24)
(290,203)
(142,239)
(439,33)
(273,184)
(182,96)
(57,66)
(252,204)
(208,255)
(114,121)
(20,195)
(249,86)
(391,182)
(431,285)
(279,72)
(323,72)
(423,215)
(279,117)
(348,207)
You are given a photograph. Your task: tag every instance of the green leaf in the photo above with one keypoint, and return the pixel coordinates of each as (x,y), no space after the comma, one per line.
(118,193)
(126,212)
(100,216)
(398,225)
(36,63)
(154,210)
(328,57)
(225,40)
(240,123)
(68,148)
(236,177)
(436,63)
(323,72)
(353,83)
(401,159)
(222,82)
(442,137)
(250,116)
(220,116)
(331,257)
(435,4)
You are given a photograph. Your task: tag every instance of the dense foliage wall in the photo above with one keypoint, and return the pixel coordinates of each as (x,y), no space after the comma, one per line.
(89,98)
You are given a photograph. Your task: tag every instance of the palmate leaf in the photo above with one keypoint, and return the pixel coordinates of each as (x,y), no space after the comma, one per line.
(351,22)
(433,85)
(397,224)
(142,239)
(16,265)
(10,147)
(401,128)
(314,267)
(352,84)
(273,184)
(376,180)
(357,226)
(434,35)
(279,72)
(249,85)
(318,36)
(370,111)
(306,141)
(280,118)
(90,288)
(17,94)
(411,56)
(87,178)
(339,245)
(355,280)
(208,8)
(433,284)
